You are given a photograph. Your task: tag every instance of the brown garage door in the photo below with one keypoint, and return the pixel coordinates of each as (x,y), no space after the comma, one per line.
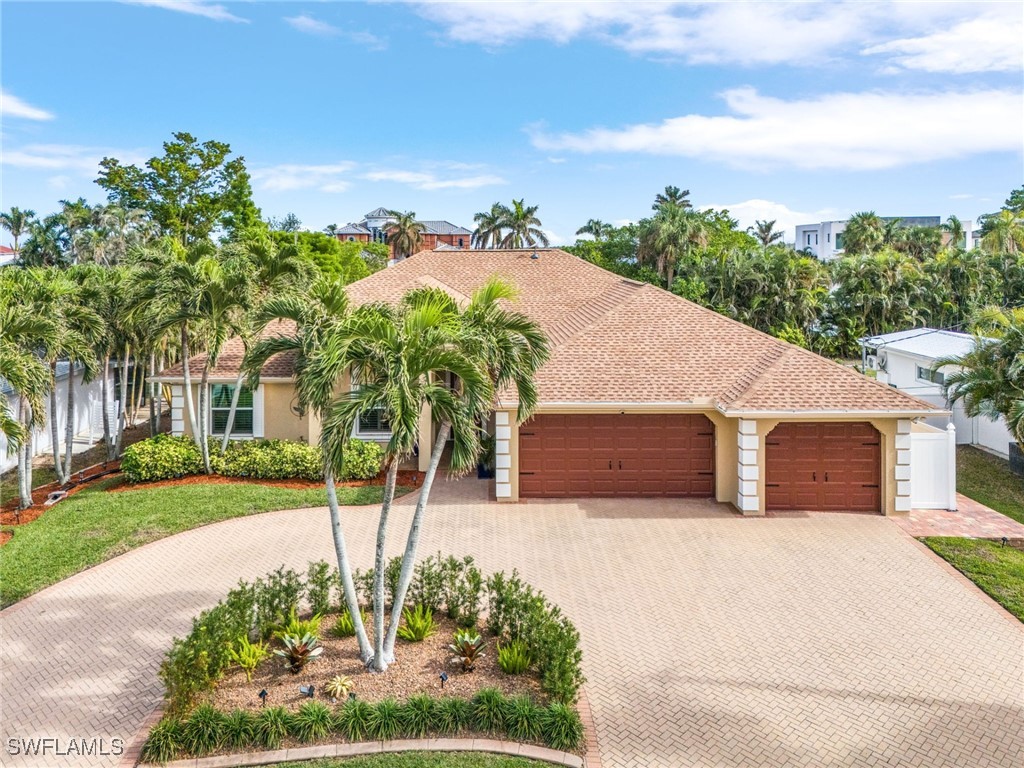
(617,455)
(831,466)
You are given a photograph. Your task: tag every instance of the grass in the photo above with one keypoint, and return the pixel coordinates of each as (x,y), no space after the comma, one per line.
(421,760)
(997,570)
(93,526)
(988,479)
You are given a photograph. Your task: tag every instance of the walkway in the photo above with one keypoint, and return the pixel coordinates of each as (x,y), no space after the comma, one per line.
(709,639)
(971,520)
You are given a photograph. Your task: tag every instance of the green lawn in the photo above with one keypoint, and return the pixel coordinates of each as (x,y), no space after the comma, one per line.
(988,479)
(93,526)
(997,570)
(421,760)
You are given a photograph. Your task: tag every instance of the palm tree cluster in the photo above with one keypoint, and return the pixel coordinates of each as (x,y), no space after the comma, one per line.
(509,227)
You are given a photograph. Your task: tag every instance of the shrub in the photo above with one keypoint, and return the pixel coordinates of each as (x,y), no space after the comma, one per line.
(293,625)
(248,656)
(560,659)
(160,458)
(451,716)
(338,686)
(523,719)
(275,595)
(418,624)
(240,729)
(361,460)
(463,585)
(344,626)
(272,460)
(164,742)
(417,716)
(319,580)
(562,728)
(514,657)
(353,719)
(514,609)
(467,648)
(299,651)
(428,584)
(204,731)
(385,721)
(488,710)
(311,722)
(271,727)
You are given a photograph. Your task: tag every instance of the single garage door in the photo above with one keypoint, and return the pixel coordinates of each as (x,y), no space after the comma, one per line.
(829,466)
(617,455)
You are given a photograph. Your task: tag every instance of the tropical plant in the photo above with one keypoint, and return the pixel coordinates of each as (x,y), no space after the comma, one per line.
(419,624)
(204,730)
(765,232)
(344,626)
(338,686)
(957,236)
(524,228)
(405,234)
(272,726)
(489,224)
(296,627)
(312,722)
(385,720)
(596,228)
(864,233)
(17,222)
(524,720)
(417,716)
(299,651)
(671,238)
(353,719)
(488,710)
(468,648)
(562,728)
(248,656)
(239,729)
(672,196)
(1005,233)
(164,742)
(514,657)
(452,715)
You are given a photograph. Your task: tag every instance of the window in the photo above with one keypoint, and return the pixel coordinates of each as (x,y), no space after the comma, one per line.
(351,239)
(828,237)
(460,242)
(808,238)
(373,421)
(839,241)
(220,407)
(927,374)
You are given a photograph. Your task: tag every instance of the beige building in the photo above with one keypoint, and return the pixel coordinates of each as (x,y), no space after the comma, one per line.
(645,394)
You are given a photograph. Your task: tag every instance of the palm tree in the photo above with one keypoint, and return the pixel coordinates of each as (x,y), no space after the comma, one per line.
(17,222)
(332,230)
(672,196)
(48,243)
(765,232)
(596,229)
(1006,233)
(523,226)
(405,234)
(954,228)
(489,225)
(670,238)
(864,233)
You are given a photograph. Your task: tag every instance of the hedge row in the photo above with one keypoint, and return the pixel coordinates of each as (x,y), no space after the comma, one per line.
(164,457)
(489,712)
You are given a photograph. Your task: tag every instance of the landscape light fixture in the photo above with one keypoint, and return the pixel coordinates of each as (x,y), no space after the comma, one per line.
(263,696)
(352,696)
(1004,540)
(307,690)
(444,679)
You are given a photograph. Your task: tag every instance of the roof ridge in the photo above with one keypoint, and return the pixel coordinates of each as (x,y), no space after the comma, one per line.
(592,310)
(745,382)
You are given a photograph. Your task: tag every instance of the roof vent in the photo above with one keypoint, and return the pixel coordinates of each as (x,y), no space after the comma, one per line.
(534,255)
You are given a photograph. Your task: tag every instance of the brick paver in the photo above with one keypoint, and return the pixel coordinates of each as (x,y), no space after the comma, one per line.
(709,639)
(971,519)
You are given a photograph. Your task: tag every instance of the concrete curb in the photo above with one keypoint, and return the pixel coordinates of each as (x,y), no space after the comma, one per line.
(493,746)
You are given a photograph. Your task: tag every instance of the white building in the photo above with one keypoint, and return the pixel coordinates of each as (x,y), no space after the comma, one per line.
(89,412)
(905,360)
(825,239)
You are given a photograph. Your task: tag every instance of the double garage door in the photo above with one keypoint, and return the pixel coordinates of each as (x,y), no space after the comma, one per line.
(617,455)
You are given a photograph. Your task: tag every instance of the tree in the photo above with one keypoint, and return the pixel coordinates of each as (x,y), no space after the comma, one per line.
(672,196)
(954,229)
(332,230)
(524,228)
(671,237)
(596,229)
(290,223)
(17,222)
(864,233)
(1006,233)
(188,192)
(47,245)
(334,258)
(765,232)
(405,234)
(488,232)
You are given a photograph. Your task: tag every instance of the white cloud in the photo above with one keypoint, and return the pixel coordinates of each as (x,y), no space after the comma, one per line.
(429,181)
(786,219)
(746,33)
(287,177)
(847,131)
(212,11)
(67,157)
(12,106)
(961,196)
(312,26)
(59,183)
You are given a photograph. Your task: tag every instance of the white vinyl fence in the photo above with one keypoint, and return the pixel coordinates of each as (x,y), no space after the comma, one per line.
(933,467)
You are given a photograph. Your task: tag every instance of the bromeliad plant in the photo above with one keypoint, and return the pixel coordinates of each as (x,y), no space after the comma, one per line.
(293,625)
(248,656)
(338,686)
(467,648)
(418,626)
(299,651)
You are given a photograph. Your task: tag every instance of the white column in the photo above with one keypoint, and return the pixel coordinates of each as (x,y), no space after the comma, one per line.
(177,409)
(902,475)
(747,500)
(502,455)
(951,465)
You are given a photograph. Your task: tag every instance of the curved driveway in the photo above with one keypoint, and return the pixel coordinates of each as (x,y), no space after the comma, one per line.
(710,640)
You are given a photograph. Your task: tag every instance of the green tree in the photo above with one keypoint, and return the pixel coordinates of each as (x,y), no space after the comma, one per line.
(765,233)
(524,228)
(864,233)
(673,196)
(188,192)
(1005,234)
(954,229)
(596,229)
(671,237)
(488,232)
(48,243)
(334,258)
(17,222)
(405,234)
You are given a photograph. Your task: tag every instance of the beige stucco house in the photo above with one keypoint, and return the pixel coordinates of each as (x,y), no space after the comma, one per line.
(645,394)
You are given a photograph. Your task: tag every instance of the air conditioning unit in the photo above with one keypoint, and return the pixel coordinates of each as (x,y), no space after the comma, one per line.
(872,362)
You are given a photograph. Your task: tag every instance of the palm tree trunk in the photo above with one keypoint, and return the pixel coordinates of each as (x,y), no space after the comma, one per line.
(160,397)
(379,661)
(122,404)
(58,467)
(231,412)
(105,396)
(345,568)
(153,386)
(186,373)
(204,416)
(69,425)
(25,457)
(409,559)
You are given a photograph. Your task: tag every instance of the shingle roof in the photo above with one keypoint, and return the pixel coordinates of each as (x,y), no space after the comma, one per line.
(353,229)
(618,341)
(281,365)
(443,228)
(378,213)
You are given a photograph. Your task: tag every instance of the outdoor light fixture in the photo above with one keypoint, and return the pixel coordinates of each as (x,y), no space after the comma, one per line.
(352,696)
(263,696)
(307,690)
(1005,540)
(534,255)
(444,679)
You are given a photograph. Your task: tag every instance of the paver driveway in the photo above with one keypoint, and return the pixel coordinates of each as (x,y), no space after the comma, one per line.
(710,640)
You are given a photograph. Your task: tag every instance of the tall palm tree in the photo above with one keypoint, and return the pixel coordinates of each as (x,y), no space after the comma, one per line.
(17,222)
(524,228)
(1006,233)
(405,234)
(670,237)
(954,228)
(77,216)
(672,196)
(864,233)
(765,232)
(48,243)
(488,232)
(596,229)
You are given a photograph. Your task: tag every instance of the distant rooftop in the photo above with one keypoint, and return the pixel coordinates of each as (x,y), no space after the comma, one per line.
(931,343)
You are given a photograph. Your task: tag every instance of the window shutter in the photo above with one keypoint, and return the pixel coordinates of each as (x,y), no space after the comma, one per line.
(257,412)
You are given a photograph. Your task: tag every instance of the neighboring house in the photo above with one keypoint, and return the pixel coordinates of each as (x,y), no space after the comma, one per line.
(825,239)
(374,226)
(645,394)
(906,360)
(89,412)
(8,256)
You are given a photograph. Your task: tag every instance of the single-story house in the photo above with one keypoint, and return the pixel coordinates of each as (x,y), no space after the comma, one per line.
(906,361)
(645,394)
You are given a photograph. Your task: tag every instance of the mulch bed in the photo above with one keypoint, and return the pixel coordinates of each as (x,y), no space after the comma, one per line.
(416,670)
(407,478)
(9,514)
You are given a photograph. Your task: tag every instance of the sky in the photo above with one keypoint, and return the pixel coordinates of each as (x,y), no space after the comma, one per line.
(798,112)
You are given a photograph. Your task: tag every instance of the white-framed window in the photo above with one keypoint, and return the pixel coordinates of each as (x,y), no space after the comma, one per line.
(245,424)
(373,422)
(932,377)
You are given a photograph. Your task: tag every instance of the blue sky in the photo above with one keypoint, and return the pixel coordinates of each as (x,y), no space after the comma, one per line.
(795,112)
